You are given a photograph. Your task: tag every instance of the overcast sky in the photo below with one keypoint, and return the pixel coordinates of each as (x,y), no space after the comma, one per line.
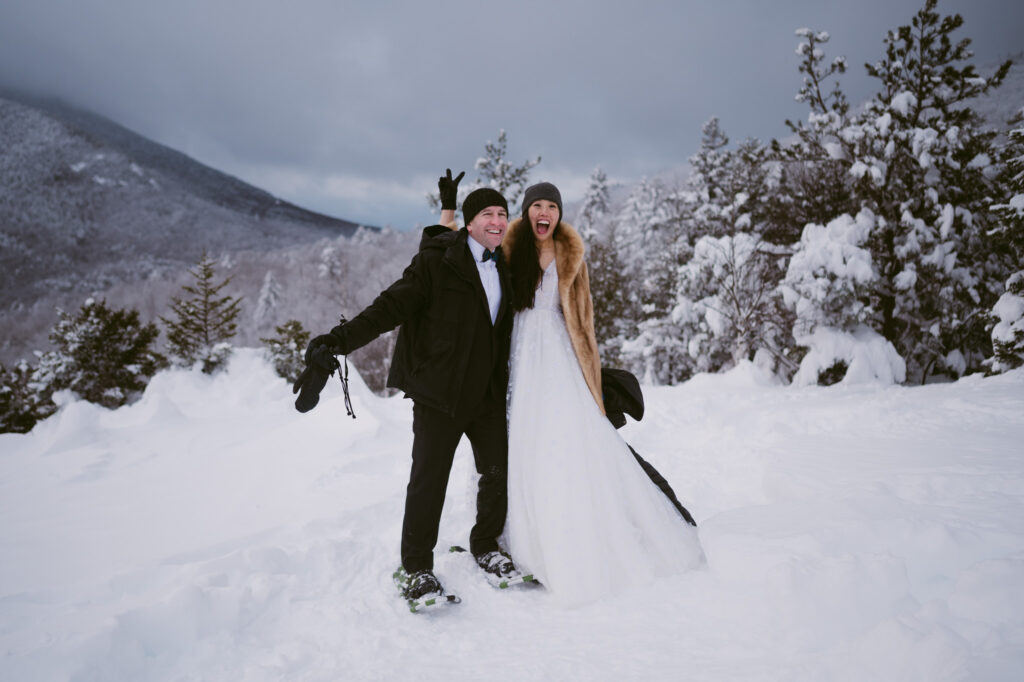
(354,109)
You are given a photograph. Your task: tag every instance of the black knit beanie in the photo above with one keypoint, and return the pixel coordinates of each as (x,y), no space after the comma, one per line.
(542,190)
(478,200)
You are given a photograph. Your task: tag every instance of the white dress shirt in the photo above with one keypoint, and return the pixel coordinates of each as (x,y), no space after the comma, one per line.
(488,276)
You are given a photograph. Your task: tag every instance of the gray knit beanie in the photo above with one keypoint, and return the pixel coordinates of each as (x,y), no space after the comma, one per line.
(542,190)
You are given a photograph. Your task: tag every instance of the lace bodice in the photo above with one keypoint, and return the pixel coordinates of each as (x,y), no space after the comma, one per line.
(547,292)
(536,328)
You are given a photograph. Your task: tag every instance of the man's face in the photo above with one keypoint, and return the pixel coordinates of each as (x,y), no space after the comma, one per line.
(488,226)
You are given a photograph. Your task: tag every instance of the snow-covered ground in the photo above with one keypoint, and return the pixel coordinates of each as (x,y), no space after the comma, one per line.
(210,532)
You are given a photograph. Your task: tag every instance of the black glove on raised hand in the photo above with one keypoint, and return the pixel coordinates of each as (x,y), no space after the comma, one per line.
(449,189)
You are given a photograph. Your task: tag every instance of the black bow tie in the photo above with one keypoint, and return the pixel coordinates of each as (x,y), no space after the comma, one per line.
(488,255)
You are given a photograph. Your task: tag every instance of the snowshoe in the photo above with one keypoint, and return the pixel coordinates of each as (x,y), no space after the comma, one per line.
(422,591)
(498,568)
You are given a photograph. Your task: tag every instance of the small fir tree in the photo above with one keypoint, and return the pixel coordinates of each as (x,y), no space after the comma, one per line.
(103,355)
(723,308)
(1008,330)
(595,205)
(609,288)
(640,223)
(287,349)
(648,245)
(270,297)
(830,276)
(204,322)
(497,173)
(23,403)
(1007,316)
(710,185)
(815,185)
(729,309)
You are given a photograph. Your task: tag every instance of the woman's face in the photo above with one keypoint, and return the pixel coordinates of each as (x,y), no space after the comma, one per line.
(543,215)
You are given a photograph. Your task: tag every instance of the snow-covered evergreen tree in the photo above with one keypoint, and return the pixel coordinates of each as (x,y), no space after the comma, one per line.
(658,227)
(711,198)
(729,310)
(337,275)
(288,348)
(724,304)
(1008,314)
(350,274)
(270,296)
(920,163)
(595,205)
(650,241)
(23,400)
(498,173)
(103,355)
(828,287)
(614,319)
(640,221)
(728,189)
(205,321)
(814,184)
(647,243)
(831,275)
(1008,331)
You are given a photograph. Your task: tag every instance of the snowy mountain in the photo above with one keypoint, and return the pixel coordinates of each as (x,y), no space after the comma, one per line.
(998,106)
(85,202)
(210,532)
(87,205)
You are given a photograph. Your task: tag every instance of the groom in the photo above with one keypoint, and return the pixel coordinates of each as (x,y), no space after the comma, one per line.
(451,358)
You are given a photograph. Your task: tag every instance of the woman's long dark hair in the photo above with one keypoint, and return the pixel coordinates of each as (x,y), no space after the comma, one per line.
(524,263)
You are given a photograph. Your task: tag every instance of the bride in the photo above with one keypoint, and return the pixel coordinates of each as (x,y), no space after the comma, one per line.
(583,516)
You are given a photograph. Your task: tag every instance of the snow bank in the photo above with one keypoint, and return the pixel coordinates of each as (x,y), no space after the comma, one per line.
(210,532)
(868,355)
(744,375)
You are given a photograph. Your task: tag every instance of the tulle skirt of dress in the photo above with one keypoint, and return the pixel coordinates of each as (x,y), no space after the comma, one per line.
(583,516)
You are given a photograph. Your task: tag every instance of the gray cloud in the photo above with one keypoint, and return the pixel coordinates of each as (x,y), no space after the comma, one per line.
(355,108)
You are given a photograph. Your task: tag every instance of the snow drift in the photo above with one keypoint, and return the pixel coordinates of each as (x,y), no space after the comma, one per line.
(209,532)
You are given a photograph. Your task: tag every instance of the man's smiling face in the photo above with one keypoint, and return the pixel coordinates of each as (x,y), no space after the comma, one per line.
(488,226)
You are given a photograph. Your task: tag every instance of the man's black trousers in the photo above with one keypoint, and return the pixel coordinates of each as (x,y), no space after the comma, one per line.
(435,437)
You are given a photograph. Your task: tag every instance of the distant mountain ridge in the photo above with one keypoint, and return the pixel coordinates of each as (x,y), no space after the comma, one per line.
(86,203)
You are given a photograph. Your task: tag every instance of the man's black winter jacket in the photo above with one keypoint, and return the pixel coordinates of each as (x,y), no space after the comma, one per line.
(448,354)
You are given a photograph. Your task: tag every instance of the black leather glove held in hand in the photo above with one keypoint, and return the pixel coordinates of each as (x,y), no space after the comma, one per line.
(333,342)
(449,189)
(314,378)
(308,386)
(320,365)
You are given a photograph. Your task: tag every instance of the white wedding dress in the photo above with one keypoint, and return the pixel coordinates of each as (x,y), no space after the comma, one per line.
(583,517)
